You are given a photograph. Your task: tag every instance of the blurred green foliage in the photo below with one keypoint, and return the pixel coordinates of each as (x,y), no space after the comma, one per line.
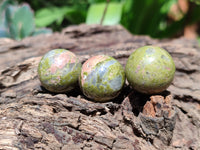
(112,17)
(17,21)
(196,1)
(58,14)
(146,17)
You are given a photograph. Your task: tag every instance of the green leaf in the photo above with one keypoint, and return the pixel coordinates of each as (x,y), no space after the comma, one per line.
(24,18)
(127,5)
(17,21)
(112,16)
(101,1)
(9,16)
(47,16)
(20,20)
(3,22)
(3,5)
(3,32)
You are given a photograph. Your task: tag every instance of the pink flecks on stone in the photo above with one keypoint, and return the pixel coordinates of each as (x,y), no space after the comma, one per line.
(53,69)
(90,64)
(167,68)
(137,69)
(61,60)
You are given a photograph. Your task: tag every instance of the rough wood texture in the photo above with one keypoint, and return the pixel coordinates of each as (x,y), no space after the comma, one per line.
(33,118)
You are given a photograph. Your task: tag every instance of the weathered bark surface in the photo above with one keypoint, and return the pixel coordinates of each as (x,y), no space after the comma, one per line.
(33,118)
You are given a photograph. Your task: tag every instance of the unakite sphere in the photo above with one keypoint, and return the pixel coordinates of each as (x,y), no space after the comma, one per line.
(150,69)
(102,78)
(59,70)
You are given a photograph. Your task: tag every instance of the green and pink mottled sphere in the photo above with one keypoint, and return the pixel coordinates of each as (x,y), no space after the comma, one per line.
(59,70)
(102,78)
(150,69)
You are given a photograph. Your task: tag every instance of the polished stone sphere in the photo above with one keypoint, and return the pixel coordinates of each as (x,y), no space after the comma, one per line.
(150,69)
(59,70)
(102,78)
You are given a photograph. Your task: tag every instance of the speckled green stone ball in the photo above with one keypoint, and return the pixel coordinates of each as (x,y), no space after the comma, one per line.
(59,70)
(150,69)
(102,78)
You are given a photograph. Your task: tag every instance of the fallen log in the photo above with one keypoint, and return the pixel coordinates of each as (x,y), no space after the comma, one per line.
(33,118)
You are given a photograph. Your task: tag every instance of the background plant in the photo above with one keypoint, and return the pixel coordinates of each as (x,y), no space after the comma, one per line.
(17,21)
(147,17)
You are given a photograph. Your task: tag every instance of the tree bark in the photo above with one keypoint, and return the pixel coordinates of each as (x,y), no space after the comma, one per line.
(33,118)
